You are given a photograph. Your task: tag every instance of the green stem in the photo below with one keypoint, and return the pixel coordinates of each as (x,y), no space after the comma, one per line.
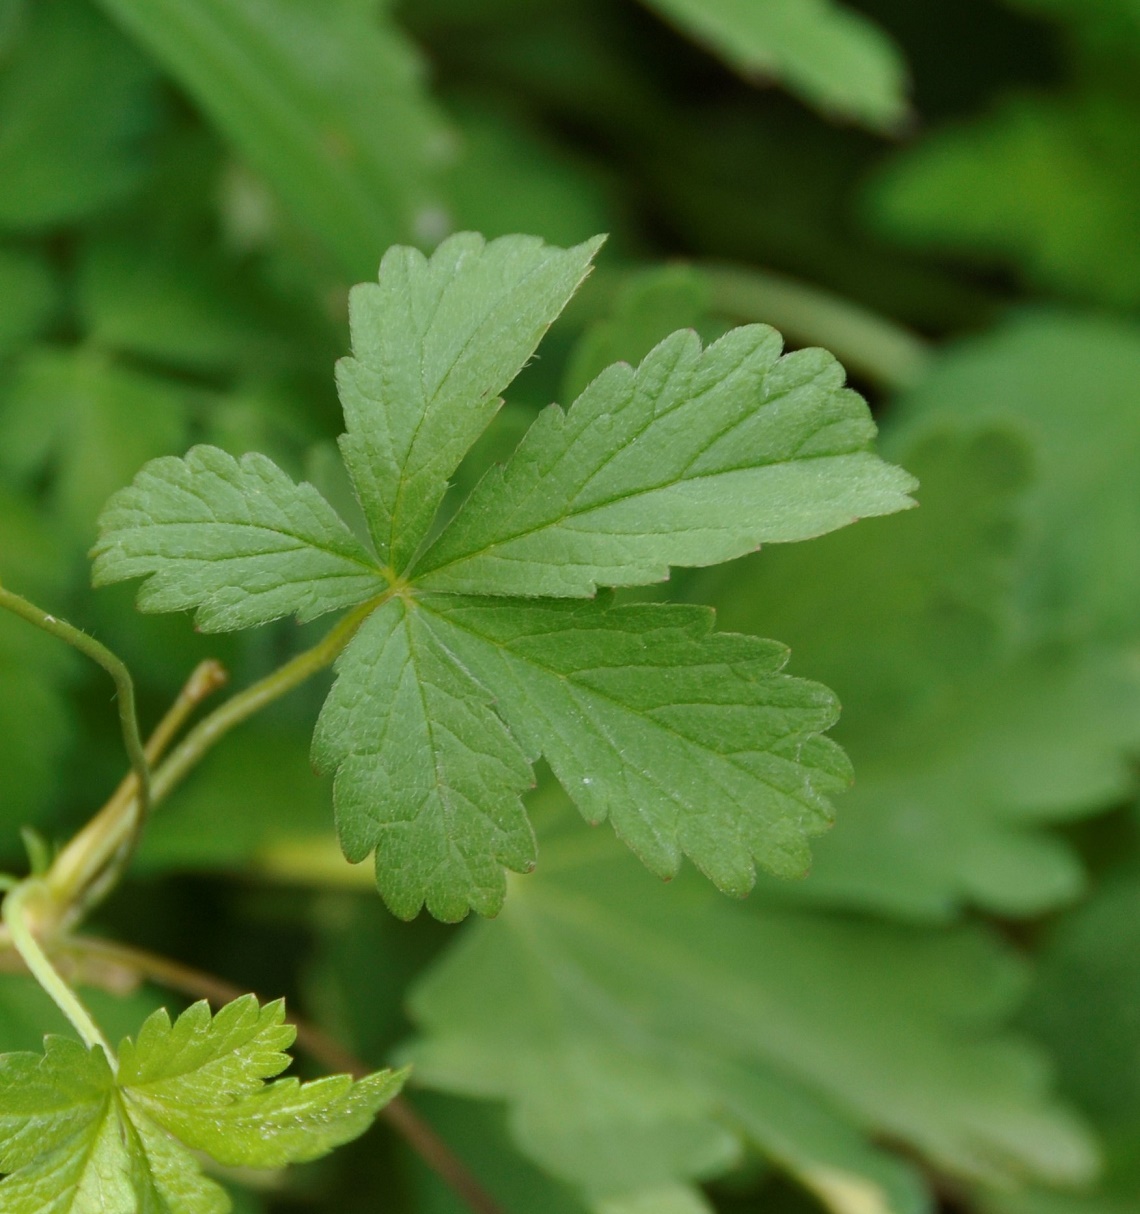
(80,864)
(871,346)
(15,914)
(124,686)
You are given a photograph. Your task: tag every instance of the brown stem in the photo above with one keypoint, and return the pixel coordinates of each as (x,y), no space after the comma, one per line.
(400,1115)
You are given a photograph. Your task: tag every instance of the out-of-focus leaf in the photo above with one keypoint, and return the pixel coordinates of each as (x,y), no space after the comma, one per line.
(27,297)
(508,178)
(168,302)
(642,1034)
(1048,184)
(75,101)
(964,742)
(1085,1006)
(479,1133)
(91,422)
(948,805)
(35,717)
(323,98)
(832,56)
(1067,383)
(1105,25)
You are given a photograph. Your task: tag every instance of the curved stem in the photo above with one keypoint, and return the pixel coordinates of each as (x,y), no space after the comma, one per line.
(399,1113)
(124,687)
(15,913)
(864,342)
(112,831)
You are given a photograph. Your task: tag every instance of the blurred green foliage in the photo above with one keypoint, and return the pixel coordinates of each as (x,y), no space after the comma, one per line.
(946,1013)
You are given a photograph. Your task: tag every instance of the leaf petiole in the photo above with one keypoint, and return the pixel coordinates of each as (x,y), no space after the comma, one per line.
(16,918)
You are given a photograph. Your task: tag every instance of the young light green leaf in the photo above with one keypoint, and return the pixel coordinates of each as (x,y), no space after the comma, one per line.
(323,98)
(690,742)
(434,343)
(77,1139)
(426,774)
(236,539)
(696,457)
(830,55)
(658,1031)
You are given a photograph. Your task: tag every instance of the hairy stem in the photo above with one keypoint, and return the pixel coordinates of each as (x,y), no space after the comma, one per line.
(124,687)
(399,1113)
(18,918)
(883,352)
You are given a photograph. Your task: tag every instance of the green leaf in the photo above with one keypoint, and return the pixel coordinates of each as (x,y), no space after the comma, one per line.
(426,773)
(434,343)
(78,1139)
(827,53)
(696,457)
(323,98)
(236,539)
(690,742)
(160,299)
(1067,383)
(1047,184)
(967,742)
(70,136)
(1083,1007)
(91,422)
(642,1036)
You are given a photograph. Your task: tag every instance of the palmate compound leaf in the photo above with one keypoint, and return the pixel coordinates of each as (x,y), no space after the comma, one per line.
(463,675)
(643,1037)
(77,1138)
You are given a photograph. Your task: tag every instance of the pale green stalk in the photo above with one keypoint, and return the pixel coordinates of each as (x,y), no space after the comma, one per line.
(15,913)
